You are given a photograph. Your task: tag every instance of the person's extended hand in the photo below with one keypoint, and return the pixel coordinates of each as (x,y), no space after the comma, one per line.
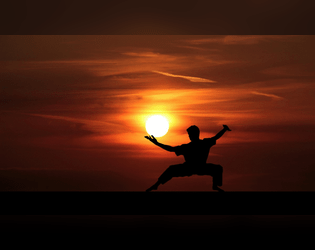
(151,138)
(226,127)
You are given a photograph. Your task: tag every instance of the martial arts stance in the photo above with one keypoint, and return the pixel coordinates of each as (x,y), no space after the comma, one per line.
(195,154)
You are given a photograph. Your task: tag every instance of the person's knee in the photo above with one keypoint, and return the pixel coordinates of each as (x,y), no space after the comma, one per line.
(220,168)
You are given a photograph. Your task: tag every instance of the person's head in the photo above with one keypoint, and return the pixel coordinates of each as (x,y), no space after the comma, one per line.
(193,132)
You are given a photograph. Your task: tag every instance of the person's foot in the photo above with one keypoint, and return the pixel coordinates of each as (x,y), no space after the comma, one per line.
(227,128)
(217,188)
(154,187)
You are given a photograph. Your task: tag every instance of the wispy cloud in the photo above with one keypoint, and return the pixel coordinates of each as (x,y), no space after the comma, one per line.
(197,48)
(268,95)
(245,39)
(142,54)
(292,70)
(190,78)
(206,40)
(248,39)
(93,125)
(65,118)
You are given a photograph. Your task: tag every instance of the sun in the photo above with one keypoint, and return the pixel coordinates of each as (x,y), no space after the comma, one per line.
(157,125)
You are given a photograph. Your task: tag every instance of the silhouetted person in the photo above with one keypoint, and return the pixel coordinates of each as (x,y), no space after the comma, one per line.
(195,154)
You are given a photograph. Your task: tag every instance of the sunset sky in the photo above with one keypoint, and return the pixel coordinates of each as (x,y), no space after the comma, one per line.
(73,110)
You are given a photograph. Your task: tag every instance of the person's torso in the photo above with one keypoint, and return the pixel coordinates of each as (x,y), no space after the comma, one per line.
(197,152)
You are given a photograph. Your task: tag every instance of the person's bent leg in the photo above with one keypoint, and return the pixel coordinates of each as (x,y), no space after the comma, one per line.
(217,177)
(216,172)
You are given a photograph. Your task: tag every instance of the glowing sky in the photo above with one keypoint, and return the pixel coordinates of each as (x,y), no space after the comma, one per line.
(79,103)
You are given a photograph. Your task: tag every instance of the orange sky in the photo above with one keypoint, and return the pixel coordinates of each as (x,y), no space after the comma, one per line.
(73,108)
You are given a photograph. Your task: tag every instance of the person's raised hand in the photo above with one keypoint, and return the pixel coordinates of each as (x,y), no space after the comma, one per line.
(226,127)
(151,138)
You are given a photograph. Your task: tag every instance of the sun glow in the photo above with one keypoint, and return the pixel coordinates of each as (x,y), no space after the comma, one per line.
(157,125)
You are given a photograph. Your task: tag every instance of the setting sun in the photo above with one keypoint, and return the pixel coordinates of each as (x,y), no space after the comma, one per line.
(157,125)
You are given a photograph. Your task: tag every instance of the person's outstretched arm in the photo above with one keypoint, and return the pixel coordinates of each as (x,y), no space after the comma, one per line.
(165,147)
(218,135)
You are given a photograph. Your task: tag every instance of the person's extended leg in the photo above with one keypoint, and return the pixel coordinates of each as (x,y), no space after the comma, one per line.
(169,173)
